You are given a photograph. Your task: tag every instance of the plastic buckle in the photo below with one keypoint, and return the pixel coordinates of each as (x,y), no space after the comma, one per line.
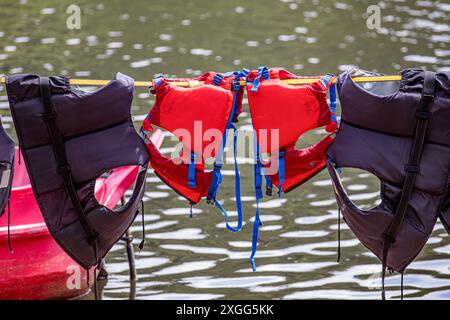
(64,169)
(412,168)
(423,114)
(49,116)
(211,200)
(427,96)
(388,238)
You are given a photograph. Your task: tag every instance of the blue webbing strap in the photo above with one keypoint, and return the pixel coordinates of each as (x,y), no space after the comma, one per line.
(217,79)
(263,72)
(191,172)
(217,175)
(281,171)
(258,195)
(333,109)
(237,187)
(326,79)
(244,73)
(333,102)
(158,81)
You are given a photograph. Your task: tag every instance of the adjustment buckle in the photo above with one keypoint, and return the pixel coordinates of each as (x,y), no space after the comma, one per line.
(388,238)
(427,96)
(412,168)
(64,169)
(49,116)
(423,114)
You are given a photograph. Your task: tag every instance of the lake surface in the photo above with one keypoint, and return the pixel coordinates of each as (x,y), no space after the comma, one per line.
(198,258)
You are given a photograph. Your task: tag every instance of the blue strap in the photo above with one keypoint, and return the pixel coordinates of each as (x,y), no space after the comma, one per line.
(263,72)
(258,196)
(256,225)
(281,171)
(157,81)
(218,79)
(217,180)
(326,79)
(191,172)
(333,102)
(217,175)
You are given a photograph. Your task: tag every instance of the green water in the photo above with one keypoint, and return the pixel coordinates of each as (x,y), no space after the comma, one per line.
(198,258)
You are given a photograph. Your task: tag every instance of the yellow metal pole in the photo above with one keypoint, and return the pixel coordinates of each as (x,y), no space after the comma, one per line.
(299,81)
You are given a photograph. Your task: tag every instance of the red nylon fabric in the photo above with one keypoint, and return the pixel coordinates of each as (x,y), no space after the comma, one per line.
(176,175)
(290,111)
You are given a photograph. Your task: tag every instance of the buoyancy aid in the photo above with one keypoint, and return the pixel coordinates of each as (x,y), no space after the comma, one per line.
(199,117)
(280,114)
(6,167)
(400,132)
(69,138)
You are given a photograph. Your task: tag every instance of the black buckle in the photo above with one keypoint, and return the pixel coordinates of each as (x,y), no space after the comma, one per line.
(49,116)
(412,168)
(388,238)
(423,114)
(427,96)
(64,169)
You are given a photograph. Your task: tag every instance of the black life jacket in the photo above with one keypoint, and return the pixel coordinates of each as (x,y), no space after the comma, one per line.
(69,138)
(403,137)
(6,167)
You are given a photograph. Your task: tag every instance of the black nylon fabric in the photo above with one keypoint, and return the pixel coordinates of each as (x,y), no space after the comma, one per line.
(98,135)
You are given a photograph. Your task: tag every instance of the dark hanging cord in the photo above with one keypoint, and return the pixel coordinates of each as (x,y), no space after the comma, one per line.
(95,283)
(383,274)
(401,286)
(141,245)
(9,228)
(191,205)
(95,269)
(88,278)
(339,235)
(20,155)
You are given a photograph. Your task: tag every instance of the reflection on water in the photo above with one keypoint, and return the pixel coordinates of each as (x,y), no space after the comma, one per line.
(198,258)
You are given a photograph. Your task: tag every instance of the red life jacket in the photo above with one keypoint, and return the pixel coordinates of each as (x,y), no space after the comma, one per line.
(189,113)
(292,111)
(280,114)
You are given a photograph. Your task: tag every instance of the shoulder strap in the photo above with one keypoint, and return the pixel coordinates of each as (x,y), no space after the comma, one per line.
(412,168)
(49,117)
